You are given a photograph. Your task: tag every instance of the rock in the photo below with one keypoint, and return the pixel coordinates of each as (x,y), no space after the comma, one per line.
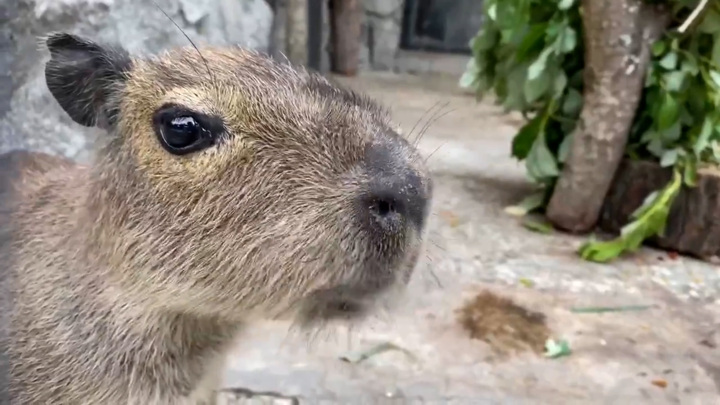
(29,116)
(692,227)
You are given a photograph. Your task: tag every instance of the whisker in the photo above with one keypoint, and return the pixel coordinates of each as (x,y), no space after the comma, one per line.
(424,114)
(427,159)
(207,66)
(430,123)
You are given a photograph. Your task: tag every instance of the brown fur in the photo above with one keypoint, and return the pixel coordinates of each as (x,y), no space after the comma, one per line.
(131,277)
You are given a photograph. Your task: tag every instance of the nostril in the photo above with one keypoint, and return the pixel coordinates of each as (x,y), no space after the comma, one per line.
(396,195)
(383,207)
(387,212)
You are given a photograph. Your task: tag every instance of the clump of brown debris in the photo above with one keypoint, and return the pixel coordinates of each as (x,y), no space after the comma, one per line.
(506,326)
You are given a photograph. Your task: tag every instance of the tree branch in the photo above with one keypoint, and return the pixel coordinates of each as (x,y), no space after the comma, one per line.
(618,37)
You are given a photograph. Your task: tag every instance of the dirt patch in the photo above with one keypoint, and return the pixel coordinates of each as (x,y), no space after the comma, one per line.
(503,324)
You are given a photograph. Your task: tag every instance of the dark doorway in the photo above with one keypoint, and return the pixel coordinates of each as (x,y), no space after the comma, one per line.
(441,25)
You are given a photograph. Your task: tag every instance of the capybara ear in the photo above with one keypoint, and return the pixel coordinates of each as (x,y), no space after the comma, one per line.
(83,75)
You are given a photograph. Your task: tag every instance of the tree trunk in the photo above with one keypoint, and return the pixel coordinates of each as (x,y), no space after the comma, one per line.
(618,37)
(346,26)
(296,34)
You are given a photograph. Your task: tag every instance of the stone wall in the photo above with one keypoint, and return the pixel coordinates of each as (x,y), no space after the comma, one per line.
(29,116)
(381,34)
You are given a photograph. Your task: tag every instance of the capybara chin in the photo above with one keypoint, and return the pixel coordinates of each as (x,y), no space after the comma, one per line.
(229,187)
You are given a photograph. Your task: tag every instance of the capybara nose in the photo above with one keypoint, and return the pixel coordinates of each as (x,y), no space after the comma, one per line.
(396,196)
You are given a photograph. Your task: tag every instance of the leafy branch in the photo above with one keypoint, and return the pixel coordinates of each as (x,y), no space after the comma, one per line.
(529,54)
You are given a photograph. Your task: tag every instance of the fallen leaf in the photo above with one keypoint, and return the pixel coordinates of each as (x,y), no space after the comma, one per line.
(555,349)
(515,211)
(357,357)
(527,205)
(526,282)
(660,383)
(673,255)
(537,226)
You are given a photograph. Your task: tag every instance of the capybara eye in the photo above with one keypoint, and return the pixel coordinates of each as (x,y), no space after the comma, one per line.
(182,132)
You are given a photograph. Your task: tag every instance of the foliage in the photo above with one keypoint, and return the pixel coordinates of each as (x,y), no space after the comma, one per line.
(529,53)
(649,219)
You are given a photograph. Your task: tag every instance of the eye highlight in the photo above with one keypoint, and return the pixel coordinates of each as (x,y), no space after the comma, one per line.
(182,131)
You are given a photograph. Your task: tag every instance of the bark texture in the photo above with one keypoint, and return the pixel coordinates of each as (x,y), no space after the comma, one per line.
(346,36)
(618,36)
(692,227)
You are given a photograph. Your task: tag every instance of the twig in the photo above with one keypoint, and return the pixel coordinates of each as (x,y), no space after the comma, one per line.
(693,16)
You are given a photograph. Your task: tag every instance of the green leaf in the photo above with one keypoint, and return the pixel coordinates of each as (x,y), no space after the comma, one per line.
(525,138)
(669,158)
(602,252)
(535,89)
(511,14)
(704,138)
(515,98)
(715,148)
(564,149)
(696,97)
(554,349)
(492,12)
(656,147)
(572,103)
(540,163)
(538,67)
(467,80)
(649,219)
(716,50)
(710,23)
(568,40)
(532,43)
(565,4)
(690,173)
(658,48)
(674,80)
(668,113)
(468,77)
(669,61)
(690,65)
(527,205)
(646,205)
(559,84)
(651,78)
(486,39)
(715,76)
(537,226)
(672,134)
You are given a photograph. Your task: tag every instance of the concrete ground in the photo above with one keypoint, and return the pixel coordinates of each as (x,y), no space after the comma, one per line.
(663,354)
